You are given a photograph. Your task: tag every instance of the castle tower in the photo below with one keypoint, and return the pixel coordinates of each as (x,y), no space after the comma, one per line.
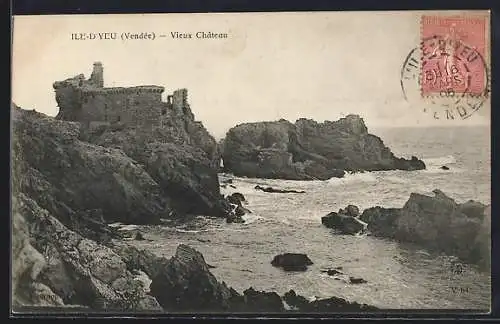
(97,76)
(179,100)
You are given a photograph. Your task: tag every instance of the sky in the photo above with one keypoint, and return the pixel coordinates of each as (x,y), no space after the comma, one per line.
(321,65)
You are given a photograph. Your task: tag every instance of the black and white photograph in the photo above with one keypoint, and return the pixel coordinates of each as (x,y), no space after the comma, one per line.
(259,163)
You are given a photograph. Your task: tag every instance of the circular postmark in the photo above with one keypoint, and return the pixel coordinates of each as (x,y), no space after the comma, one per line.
(445,78)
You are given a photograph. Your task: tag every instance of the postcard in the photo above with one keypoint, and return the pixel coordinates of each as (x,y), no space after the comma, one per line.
(285,162)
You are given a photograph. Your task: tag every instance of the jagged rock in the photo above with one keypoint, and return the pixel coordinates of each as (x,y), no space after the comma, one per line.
(261,301)
(308,150)
(182,171)
(237,210)
(329,305)
(236,198)
(76,270)
(292,261)
(235,215)
(482,243)
(142,260)
(437,223)
(273,190)
(343,223)
(357,280)
(67,176)
(138,236)
(444,167)
(26,267)
(381,221)
(350,210)
(332,272)
(186,284)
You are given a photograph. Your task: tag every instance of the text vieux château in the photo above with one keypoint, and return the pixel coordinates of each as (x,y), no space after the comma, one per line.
(146,35)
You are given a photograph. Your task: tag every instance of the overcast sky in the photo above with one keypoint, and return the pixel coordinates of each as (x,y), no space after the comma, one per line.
(271,66)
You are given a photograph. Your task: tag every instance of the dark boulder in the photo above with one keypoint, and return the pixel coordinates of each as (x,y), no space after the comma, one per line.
(332,272)
(328,305)
(354,280)
(344,224)
(381,221)
(444,167)
(186,284)
(292,261)
(273,190)
(139,236)
(261,301)
(236,198)
(350,210)
(235,215)
(236,210)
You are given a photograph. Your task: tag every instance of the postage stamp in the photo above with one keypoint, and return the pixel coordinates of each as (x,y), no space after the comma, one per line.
(451,52)
(447,75)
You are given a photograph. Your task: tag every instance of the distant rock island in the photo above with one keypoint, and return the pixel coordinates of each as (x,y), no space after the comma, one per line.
(308,150)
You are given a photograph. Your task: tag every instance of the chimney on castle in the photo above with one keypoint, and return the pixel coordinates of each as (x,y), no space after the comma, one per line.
(97,76)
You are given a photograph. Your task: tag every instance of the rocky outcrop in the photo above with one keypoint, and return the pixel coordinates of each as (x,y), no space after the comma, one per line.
(438,223)
(237,210)
(345,221)
(128,178)
(186,284)
(274,190)
(71,178)
(184,168)
(308,150)
(344,224)
(292,261)
(328,305)
(381,221)
(59,267)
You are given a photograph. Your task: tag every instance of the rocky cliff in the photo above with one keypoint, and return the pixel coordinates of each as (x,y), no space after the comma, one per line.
(308,150)
(437,223)
(121,176)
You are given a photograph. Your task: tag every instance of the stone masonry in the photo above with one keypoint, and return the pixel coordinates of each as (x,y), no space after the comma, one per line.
(89,102)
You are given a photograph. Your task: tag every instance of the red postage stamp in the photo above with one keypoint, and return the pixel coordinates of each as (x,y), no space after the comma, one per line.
(453,51)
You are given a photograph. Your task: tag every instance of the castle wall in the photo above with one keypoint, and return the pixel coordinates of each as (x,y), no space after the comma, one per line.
(89,102)
(69,102)
(125,106)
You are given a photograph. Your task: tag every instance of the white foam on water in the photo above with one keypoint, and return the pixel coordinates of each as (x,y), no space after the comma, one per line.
(188,231)
(116,224)
(395,179)
(440,160)
(251,218)
(364,177)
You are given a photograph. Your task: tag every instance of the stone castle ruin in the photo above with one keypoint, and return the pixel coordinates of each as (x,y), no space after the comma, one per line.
(89,102)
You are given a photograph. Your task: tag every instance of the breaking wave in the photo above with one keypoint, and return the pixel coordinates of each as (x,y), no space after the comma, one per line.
(439,161)
(353,178)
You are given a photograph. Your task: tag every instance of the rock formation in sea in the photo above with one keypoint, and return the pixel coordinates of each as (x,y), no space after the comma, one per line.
(308,150)
(437,223)
(345,221)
